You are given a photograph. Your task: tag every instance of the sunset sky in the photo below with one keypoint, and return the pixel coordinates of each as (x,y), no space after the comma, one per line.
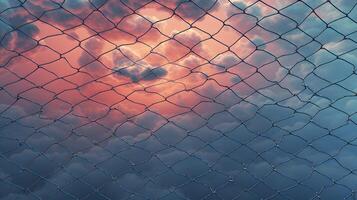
(178,99)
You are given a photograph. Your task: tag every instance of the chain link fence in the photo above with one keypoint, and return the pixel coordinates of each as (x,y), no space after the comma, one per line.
(178,99)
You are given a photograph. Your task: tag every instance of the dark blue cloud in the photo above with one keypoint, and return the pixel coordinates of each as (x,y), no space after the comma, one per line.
(19,41)
(61,18)
(4,5)
(98,3)
(137,75)
(194,9)
(16,17)
(16,29)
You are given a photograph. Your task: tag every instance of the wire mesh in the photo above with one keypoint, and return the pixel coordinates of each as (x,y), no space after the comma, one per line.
(178,99)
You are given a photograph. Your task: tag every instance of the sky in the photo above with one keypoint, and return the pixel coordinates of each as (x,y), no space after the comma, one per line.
(178,99)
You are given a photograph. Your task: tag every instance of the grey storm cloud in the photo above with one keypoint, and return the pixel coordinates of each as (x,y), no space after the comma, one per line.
(18,40)
(194,9)
(147,74)
(227,160)
(16,30)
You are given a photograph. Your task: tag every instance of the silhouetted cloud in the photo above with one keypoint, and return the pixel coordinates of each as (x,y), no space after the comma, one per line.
(136,74)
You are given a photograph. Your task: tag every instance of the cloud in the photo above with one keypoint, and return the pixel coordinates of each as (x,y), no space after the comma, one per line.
(18,41)
(193,10)
(278,24)
(61,19)
(135,71)
(113,10)
(135,25)
(17,31)
(282,129)
(136,4)
(94,46)
(38,8)
(158,164)
(17,17)
(147,74)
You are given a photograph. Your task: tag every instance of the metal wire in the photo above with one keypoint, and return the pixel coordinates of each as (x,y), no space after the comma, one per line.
(181,99)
